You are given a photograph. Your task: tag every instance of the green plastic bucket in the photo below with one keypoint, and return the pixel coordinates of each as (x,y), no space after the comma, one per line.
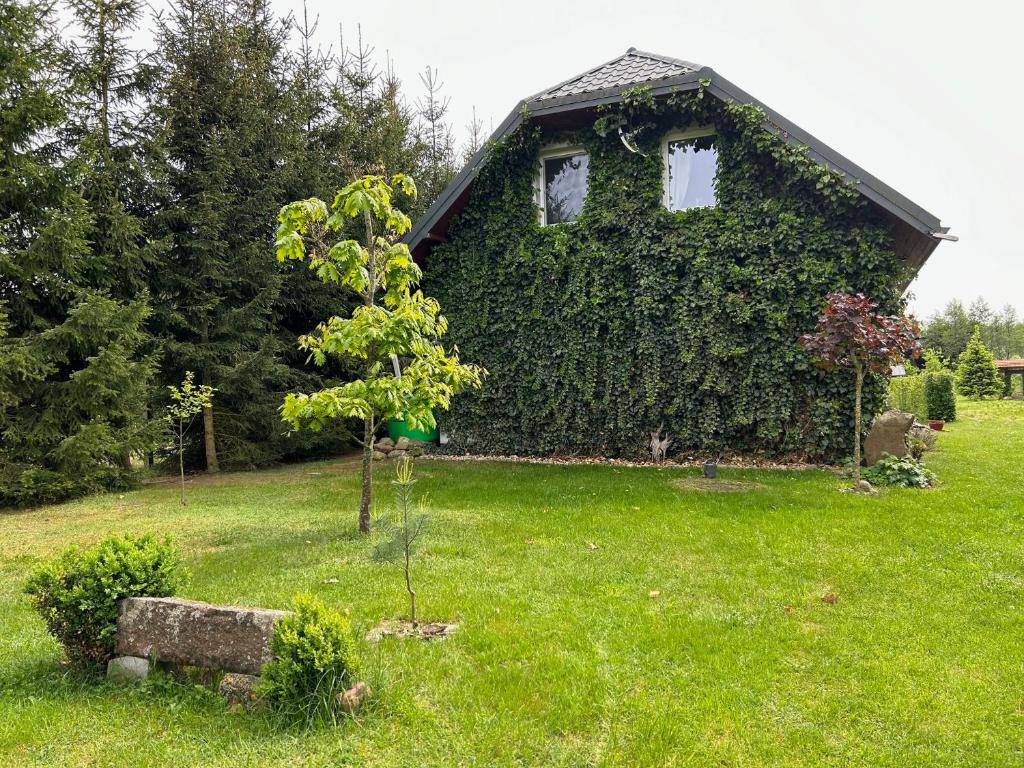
(398,428)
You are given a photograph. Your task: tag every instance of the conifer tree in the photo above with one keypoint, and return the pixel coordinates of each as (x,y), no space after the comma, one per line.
(475,140)
(224,99)
(110,132)
(976,373)
(436,134)
(111,135)
(72,379)
(376,128)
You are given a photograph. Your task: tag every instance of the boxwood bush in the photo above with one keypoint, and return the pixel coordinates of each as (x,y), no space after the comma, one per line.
(77,593)
(316,657)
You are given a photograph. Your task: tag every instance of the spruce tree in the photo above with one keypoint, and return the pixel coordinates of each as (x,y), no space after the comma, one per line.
(976,373)
(475,137)
(111,131)
(315,155)
(224,99)
(436,134)
(376,128)
(71,375)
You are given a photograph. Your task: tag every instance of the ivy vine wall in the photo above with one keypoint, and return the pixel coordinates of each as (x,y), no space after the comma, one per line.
(596,332)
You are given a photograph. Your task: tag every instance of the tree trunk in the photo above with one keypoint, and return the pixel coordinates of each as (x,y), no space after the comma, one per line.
(209,435)
(209,441)
(368,424)
(367,498)
(181,459)
(856,421)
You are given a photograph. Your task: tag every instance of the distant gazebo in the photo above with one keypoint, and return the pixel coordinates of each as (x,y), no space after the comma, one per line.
(1008,368)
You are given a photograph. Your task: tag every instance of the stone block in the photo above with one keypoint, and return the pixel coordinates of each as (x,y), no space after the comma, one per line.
(175,631)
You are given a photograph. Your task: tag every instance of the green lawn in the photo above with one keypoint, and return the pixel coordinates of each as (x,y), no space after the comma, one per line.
(562,657)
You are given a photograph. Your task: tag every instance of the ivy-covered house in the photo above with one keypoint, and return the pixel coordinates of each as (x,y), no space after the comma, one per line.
(643,244)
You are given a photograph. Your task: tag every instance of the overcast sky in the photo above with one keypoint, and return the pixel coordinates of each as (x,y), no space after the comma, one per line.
(924,94)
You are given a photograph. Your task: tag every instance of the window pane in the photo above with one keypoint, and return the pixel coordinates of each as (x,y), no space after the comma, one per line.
(691,174)
(565,187)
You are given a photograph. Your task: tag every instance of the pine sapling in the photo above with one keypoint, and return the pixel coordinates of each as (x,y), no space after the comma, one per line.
(187,402)
(404,530)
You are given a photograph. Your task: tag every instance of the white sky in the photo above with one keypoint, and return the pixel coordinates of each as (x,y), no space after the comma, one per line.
(924,94)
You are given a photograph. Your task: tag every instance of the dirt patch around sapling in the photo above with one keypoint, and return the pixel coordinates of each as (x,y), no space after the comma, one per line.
(715,486)
(432,630)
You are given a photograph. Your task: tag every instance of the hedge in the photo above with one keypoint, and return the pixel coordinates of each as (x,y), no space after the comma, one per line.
(926,395)
(907,393)
(596,332)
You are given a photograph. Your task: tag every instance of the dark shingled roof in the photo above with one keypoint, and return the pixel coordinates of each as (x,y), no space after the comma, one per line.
(915,231)
(631,67)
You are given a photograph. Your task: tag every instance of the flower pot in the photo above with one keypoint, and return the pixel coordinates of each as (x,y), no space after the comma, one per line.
(710,469)
(936,424)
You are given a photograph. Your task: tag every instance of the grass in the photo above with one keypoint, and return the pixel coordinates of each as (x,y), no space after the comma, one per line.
(562,657)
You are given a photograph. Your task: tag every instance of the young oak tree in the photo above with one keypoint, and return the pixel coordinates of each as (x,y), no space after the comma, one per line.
(187,402)
(392,320)
(851,333)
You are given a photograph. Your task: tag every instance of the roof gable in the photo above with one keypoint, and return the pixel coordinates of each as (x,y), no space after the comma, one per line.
(916,232)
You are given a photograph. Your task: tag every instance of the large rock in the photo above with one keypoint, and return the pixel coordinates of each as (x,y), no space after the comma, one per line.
(888,435)
(385,444)
(175,631)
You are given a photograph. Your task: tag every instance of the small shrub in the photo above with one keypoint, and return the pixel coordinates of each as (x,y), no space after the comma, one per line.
(315,658)
(77,593)
(905,472)
(940,395)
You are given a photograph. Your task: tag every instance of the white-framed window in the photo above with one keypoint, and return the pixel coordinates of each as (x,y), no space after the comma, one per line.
(562,183)
(691,162)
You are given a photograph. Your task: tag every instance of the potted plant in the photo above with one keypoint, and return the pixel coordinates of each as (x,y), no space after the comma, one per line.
(936,424)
